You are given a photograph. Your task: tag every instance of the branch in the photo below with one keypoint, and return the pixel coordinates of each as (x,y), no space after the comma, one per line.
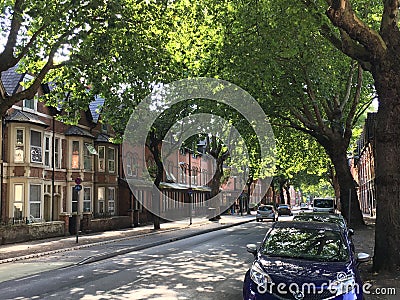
(7,59)
(342,16)
(362,110)
(311,95)
(356,100)
(389,21)
(348,86)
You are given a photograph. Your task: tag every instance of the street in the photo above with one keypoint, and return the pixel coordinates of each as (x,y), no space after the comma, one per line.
(207,266)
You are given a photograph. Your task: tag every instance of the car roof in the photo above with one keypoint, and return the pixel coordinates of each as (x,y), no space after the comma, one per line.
(307,225)
(321,213)
(266,205)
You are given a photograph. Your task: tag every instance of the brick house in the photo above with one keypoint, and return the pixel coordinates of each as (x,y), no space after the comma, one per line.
(41,158)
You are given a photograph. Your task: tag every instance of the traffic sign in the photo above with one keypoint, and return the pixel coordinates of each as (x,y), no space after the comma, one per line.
(78,180)
(78,187)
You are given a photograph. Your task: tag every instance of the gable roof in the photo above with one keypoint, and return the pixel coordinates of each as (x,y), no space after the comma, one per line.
(75,130)
(95,107)
(24,117)
(11,80)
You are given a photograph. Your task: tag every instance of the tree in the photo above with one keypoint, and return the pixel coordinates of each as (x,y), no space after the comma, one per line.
(301,81)
(42,38)
(370,35)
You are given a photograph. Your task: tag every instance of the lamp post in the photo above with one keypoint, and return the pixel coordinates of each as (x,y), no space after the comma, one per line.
(190,189)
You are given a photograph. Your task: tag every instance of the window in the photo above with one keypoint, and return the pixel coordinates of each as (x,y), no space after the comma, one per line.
(87,202)
(104,127)
(47,151)
(100,195)
(75,196)
(18,201)
(129,162)
(35,196)
(19,146)
(75,155)
(111,200)
(36,146)
(29,103)
(57,153)
(87,158)
(111,160)
(102,158)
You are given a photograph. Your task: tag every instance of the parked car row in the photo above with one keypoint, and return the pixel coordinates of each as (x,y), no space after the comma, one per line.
(311,257)
(268,212)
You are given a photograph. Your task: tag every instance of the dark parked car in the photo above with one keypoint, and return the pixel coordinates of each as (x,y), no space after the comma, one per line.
(304,260)
(266,212)
(284,209)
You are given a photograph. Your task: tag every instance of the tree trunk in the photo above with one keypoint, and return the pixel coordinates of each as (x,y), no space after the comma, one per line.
(216,183)
(281,192)
(350,206)
(287,188)
(387,175)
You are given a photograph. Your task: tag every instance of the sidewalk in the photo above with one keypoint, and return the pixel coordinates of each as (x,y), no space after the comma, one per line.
(37,248)
(382,284)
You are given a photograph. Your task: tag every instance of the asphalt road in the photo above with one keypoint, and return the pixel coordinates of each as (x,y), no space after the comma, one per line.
(207,266)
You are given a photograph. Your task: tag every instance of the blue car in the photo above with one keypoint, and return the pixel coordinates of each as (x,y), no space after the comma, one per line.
(304,260)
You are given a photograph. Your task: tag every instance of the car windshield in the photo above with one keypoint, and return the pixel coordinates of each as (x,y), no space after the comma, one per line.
(305,243)
(323,203)
(265,208)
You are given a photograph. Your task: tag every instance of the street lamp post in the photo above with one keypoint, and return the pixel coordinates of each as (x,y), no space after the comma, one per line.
(190,188)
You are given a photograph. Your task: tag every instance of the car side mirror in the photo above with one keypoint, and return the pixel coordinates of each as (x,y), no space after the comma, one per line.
(252,248)
(362,258)
(351,232)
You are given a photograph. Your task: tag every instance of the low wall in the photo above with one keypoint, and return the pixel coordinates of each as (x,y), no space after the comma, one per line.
(104,224)
(27,232)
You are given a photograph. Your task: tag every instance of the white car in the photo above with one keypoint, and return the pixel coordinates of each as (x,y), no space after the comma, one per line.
(266,212)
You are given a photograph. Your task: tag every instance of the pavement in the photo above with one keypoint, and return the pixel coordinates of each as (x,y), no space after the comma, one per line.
(115,239)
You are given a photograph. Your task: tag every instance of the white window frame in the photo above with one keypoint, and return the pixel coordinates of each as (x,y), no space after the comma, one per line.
(36,148)
(26,79)
(18,200)
(19,150)
(73,166)
(87,158)
(47,150)
(74,201)
(102,158)
(87,199)
(111,200)
(101,199)
(57,153)
(111,160)
(35,202)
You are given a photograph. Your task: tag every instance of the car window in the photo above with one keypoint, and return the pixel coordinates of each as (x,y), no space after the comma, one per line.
(265,208)
(310,244)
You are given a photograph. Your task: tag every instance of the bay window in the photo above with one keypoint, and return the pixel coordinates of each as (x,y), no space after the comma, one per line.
(75,155)
(36,146)
(19,146)
(111,160)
